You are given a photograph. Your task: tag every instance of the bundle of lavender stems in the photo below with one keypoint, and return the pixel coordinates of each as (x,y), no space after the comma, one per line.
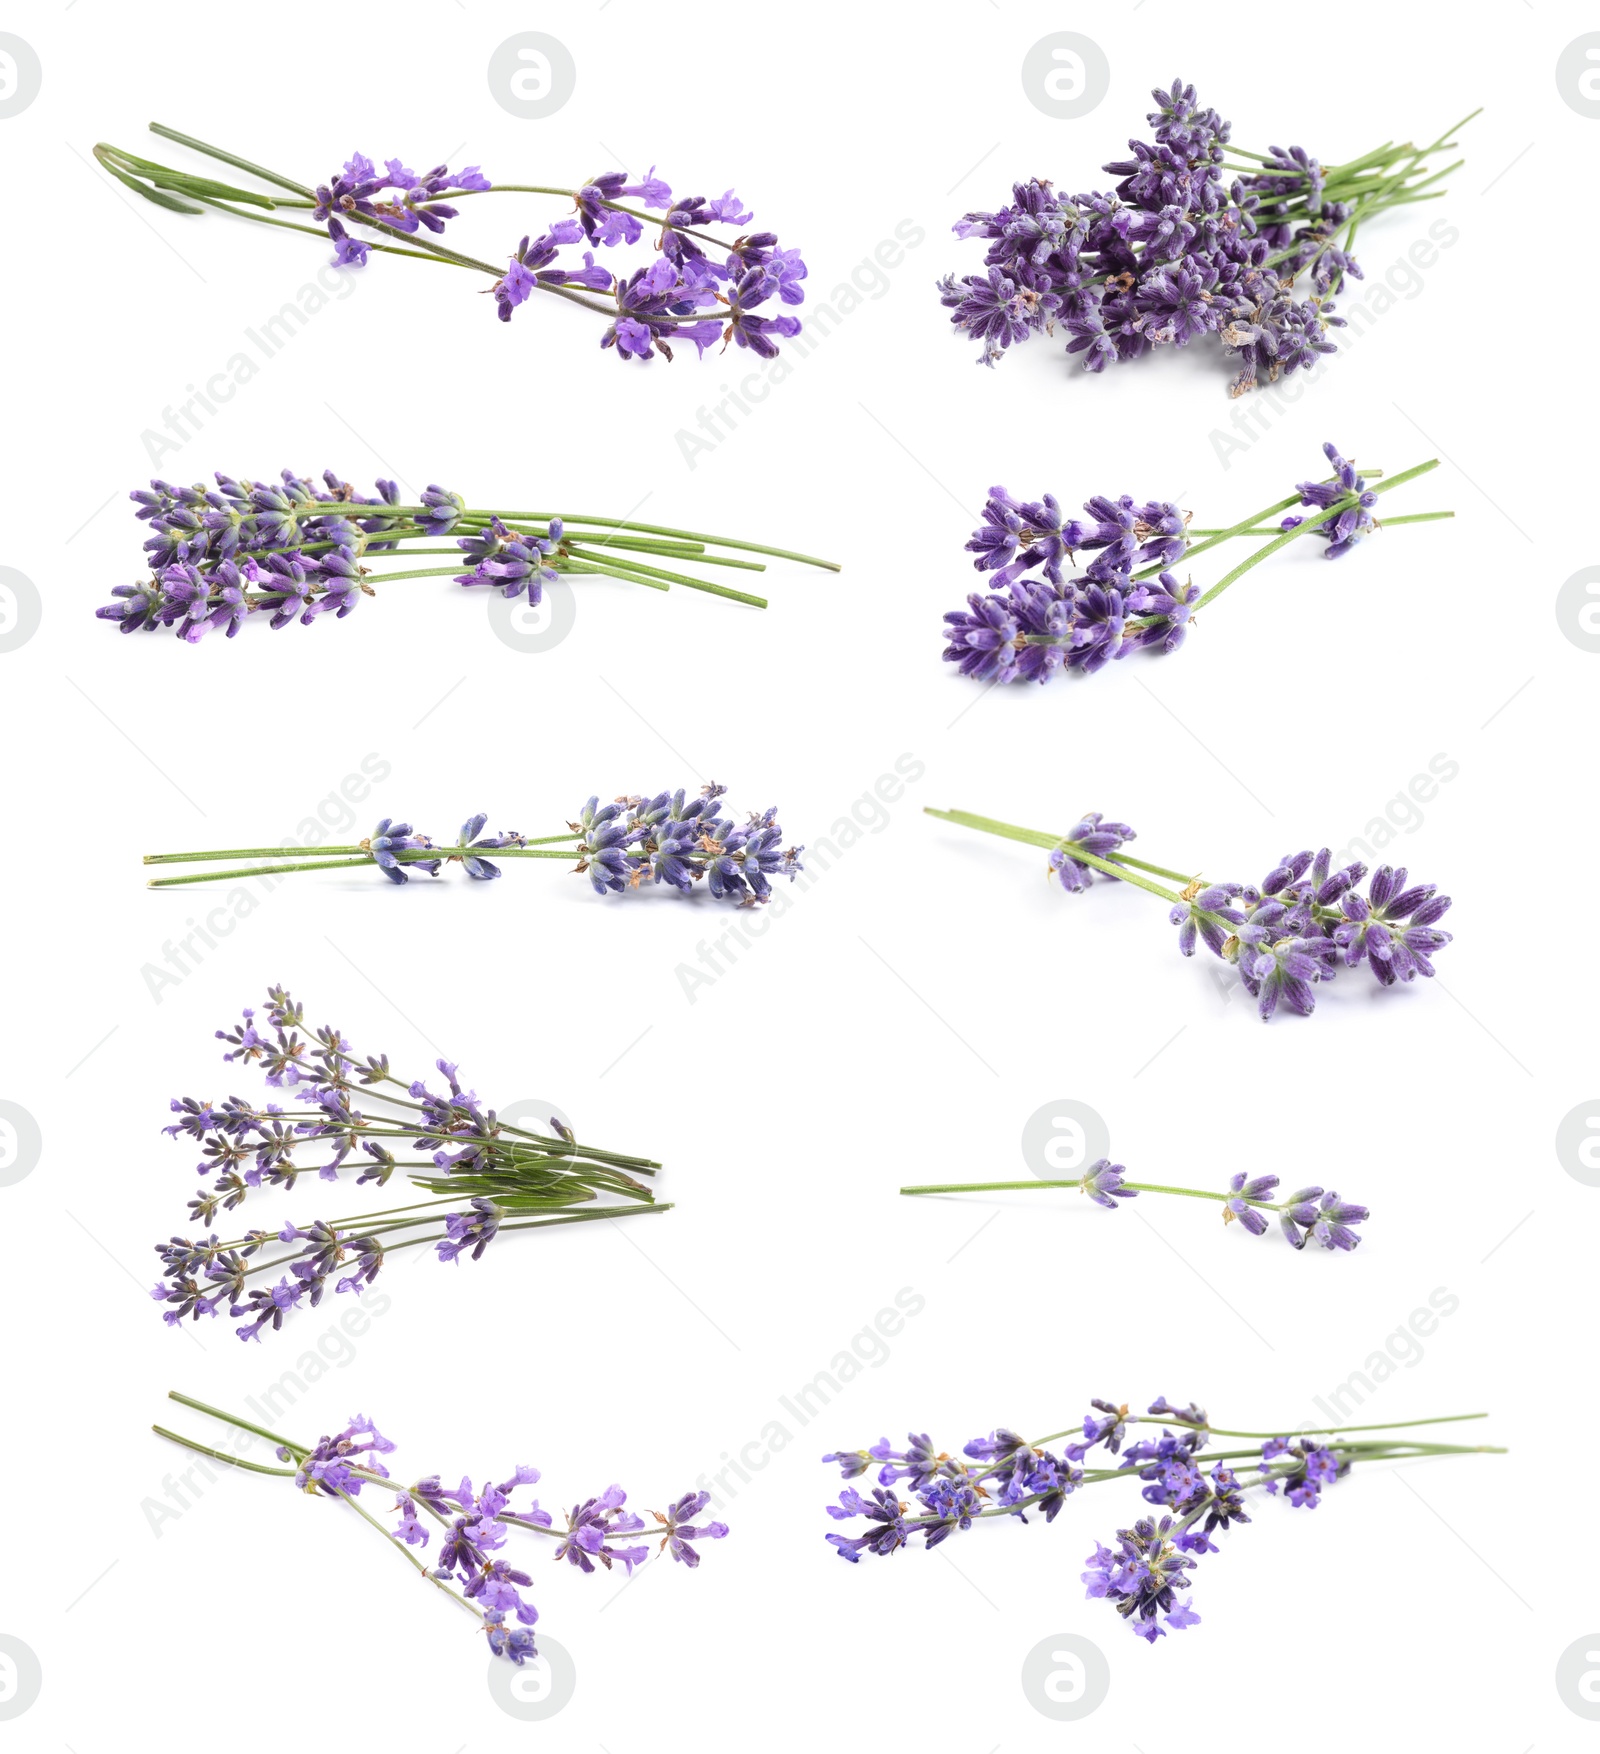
(1199,238)
(1283,936)
(692,286)
(1038,621)
(293,552)
(669,838)
(1147,1576)
(471,1526)
(354,1119)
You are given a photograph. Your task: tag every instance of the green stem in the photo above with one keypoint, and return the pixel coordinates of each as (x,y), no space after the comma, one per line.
(1033,837)
(205,1449)
(1310,524)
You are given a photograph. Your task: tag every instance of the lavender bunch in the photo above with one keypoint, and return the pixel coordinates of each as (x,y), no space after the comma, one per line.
(692,285)
(1147,1574)
(1283,936)
(469,1563)
(1311,1214)
(292,552)
(486,1176)
(668,838)
(1038,623)
(1190,243)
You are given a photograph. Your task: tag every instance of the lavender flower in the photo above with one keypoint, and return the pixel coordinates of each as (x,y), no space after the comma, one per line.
(691,285)
(1247,1202)
(339,1120)
(1284,937)
(472,1526)
(1127,599)
(668,839)
(1147,1574)
(1182,249)
(296,552)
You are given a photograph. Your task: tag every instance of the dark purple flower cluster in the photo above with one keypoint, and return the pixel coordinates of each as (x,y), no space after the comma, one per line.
(288,550)
(1312,1214)
(1295,929)
(474,1526)
(1348,490)
(1033,627)
(514,562)
(694,288)
(681,841)
(1177,251)
(484,1171)
(417,201)
(390,839)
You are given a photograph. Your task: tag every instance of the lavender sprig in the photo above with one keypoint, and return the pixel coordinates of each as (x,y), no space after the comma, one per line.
(669,838)
(472,1526)
(694,285)
(1038,622)
(1311,1214)
(293,552)
(1284,936)
(1189,244)
(486,1175)
(1145,1574)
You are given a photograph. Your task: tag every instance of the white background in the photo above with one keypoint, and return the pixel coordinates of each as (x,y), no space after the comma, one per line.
(909,1012)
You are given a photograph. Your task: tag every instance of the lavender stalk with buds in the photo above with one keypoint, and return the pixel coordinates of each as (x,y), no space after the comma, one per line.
(471,1527)
(1311,1214)
(1191,243)
(293,553)
(354,1119)
(669,838)
(693,285)
(1285,935)
(1039,623)
(1146,1576)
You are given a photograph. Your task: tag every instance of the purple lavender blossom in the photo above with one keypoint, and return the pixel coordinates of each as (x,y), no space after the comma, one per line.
(1179,252)
(1292,933)
(680,841)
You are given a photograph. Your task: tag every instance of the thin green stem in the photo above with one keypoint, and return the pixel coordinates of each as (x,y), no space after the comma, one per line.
(205,1449)
(1310,524)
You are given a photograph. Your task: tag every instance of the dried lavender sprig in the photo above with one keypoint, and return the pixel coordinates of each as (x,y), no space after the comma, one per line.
(488,1176)
(1178,251)
(1006,1474)
(698,287)
(1312,1214)
(1041,623)
(1286,934)
(598,1531)
(668,838)
(297,552)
